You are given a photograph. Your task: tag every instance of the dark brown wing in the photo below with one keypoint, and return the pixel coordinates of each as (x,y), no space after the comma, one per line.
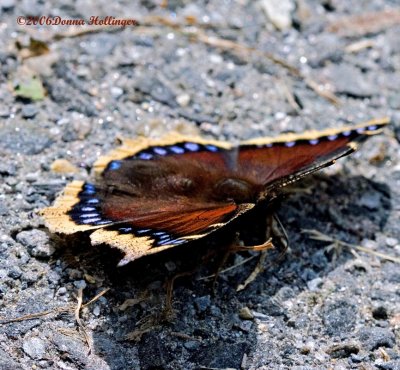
(275,162)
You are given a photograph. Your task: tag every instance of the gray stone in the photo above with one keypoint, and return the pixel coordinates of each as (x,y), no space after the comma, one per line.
(279,12)
(215,311)
(357,358)
(15,272)
(24,138)
(72,348)
(197,117)
(202,303)
(53,277)
(327,47)
(339,317)
(371,200)
(4,113)
(116,92)
(101,45)
(7,363)
(349,80)
(3,208)
(390,365)
(62,290)
(80,284)
(191,345)
(37,243)
(34,347)
(315,284)
(7,4)
(30,276)
(96,310)
(373,338)
(158,90)
(29,111)
(7,169)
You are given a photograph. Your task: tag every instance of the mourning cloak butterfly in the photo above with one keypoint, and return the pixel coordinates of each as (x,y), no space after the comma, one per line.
(152,195)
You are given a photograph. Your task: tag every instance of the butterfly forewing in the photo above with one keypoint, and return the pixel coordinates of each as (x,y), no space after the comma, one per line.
(276,162)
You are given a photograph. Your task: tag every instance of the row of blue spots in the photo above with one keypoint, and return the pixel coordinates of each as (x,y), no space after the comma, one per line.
(180,148)
(88,189)
(86,212)
(161,151)
(187,147)
(161,237)
(88,216)
(114,165)
(333,137)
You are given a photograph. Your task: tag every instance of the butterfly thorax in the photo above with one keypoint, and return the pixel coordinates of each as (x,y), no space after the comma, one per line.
(235,189)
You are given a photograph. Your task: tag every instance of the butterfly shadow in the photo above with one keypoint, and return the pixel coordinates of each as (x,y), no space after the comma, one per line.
(204,327)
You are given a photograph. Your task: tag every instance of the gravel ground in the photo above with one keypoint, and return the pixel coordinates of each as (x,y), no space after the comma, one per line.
(190,67)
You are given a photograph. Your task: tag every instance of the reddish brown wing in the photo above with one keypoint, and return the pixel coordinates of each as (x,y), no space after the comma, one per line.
(179,217)
(277,162)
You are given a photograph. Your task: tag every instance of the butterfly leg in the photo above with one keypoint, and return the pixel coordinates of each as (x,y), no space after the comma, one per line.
(168,312)
(279,235)
(274,232)
(235,247)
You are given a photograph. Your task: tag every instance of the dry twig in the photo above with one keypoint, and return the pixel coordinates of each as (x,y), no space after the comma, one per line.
(70,308)
(79,321)
(209,277)
(316,235)
(364,24)
(37,315)
(195,31)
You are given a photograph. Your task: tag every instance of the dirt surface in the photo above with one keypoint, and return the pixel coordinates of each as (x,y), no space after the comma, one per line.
(227,70)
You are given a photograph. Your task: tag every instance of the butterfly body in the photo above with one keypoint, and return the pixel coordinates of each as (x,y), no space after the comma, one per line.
(154,194)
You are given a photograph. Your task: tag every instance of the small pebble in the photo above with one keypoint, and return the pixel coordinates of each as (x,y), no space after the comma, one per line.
(34,347)
(15,273)
(202,303)
(7,4)
(183,100)
(191,344)
(170,266)
(391,242)
(116,92)
(315,284)
(63,166)
(62,291)
(373,338)
(29,111)
(36,242)
(80,284)
(96,310)
(246,314)
(4,113)
(370,200)
(279,12)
